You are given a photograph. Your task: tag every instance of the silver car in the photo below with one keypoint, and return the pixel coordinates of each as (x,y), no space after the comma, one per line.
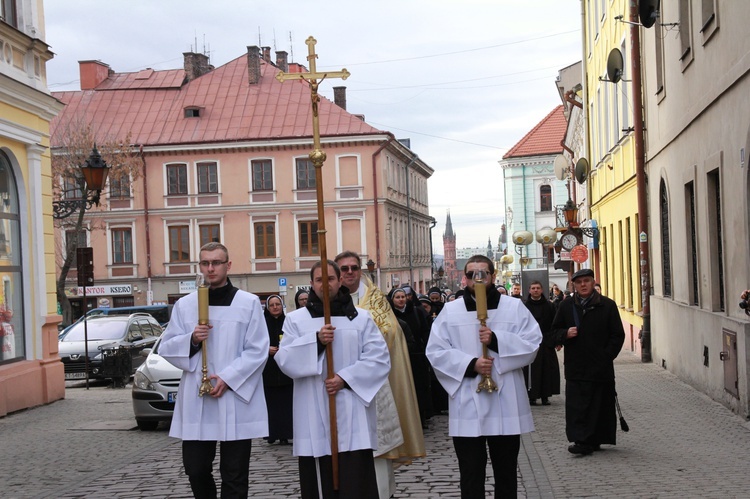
(155,386)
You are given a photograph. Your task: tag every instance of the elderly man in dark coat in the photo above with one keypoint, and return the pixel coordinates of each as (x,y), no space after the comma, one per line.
(543,375)
(590,329)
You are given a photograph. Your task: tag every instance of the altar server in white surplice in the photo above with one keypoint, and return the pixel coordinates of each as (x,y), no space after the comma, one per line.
(480,420)
(234,412)
(361,363)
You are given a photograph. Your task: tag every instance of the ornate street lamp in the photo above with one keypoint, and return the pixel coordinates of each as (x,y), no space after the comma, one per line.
(94,172)
(570,210)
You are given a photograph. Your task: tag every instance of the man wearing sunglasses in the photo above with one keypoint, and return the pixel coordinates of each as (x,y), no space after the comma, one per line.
(400,437)
(480,420)
(234,411)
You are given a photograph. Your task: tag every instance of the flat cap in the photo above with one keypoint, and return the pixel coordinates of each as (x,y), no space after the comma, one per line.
(583,273)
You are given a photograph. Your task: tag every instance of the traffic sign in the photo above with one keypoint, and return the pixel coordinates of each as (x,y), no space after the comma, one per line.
(282,282)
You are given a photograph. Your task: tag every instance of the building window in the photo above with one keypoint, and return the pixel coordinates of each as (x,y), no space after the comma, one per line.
(122,246)
(209,234)
(119,187)
(73,240)
(708,14)
(72,188)
(262,175)
(305,173)
(265,239)
(8,12)
(179,243)
(666,265)
(12,344)
(545,198)
(207,178)
(659,53)
(692,243)
(685,29)
(308,238)
(715,239)
(177,180)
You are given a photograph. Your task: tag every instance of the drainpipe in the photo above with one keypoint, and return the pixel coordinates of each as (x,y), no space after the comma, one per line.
(149,292)
(640,178)
(375,202)
(432,258)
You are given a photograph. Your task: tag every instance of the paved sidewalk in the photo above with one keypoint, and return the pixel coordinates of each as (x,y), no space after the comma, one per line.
(681,444)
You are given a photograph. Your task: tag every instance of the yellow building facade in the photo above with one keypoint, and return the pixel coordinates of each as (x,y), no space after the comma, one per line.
(30,370)
(612,193)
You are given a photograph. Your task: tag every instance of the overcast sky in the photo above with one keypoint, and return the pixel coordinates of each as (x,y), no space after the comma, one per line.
(463,79)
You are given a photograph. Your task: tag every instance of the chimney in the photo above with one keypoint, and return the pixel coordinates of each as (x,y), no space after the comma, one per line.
(267,54)
(281,61)
(253,64)
(339,97)
(92,73)
(195,65)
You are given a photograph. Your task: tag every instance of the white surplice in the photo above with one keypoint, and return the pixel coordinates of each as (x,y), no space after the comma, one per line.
(360,357)
(237,352)
(454,342)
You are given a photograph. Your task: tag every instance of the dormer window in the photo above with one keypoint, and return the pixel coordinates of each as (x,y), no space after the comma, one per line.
(192,112)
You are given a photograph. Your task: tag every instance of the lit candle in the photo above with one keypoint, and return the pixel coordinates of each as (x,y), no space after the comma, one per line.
(202,302)
(480,295)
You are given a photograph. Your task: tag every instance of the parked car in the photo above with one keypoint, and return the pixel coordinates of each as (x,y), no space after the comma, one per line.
(161,313)
(121,337)
(155,386)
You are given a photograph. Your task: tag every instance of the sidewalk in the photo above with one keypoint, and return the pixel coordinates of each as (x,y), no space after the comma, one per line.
(681,444)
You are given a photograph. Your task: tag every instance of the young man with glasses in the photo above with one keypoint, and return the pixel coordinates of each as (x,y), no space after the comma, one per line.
(234,411)
(480,420)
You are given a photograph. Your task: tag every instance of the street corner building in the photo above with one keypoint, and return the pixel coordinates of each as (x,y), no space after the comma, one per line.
(30,370)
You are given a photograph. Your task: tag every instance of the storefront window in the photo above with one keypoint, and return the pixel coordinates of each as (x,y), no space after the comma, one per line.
(11,282)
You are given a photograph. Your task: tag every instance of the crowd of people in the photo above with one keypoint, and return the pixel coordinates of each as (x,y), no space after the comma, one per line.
(369,371)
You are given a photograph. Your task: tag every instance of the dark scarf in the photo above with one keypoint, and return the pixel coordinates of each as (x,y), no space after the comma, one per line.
(341,305)
(587,304)
(223,296)
(493,299)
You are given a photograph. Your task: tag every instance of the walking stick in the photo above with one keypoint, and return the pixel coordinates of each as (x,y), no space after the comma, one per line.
(318,157)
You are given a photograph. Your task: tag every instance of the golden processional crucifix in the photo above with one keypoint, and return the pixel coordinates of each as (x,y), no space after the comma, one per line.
(318,157)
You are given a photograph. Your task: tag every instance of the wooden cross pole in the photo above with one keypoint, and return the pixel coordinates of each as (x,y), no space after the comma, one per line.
(318,157)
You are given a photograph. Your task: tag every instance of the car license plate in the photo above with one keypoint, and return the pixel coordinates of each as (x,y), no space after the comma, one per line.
(75,375)
(172,397)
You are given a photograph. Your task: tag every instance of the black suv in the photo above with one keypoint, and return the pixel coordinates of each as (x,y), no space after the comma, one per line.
(114,343)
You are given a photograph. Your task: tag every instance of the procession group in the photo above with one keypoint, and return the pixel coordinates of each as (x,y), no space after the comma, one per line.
(394,362)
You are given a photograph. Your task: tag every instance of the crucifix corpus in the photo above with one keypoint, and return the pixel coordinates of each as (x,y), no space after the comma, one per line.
(318,157)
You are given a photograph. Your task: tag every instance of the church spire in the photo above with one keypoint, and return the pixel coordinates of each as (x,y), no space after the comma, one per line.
(449,227)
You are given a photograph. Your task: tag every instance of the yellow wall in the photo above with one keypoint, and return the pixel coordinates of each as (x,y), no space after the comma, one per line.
(612,190)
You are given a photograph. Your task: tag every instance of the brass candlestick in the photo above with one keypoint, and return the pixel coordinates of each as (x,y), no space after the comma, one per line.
(205,386)
(480,294)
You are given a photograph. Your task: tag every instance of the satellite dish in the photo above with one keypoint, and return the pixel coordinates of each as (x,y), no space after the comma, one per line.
(561,167)
(582,170)
(614,65)
(648,12)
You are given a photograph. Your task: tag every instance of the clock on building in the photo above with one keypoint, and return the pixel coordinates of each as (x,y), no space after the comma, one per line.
(569,240)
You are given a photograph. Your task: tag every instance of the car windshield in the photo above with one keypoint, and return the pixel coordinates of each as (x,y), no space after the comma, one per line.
(98,330)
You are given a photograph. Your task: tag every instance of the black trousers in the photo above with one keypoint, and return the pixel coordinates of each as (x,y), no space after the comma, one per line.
(356,476)
(472,461)
(234,467)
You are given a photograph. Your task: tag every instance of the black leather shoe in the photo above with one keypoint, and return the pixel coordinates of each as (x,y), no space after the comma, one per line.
(532,402)
(581,449)
(545,401)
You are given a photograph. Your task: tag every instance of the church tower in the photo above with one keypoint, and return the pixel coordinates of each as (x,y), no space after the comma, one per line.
(449,254)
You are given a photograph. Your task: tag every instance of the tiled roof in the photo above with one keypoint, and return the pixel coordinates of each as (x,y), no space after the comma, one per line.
(543,139)
(150,105)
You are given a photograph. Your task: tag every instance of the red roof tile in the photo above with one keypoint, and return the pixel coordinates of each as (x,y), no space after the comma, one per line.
(150,105)
(544,138)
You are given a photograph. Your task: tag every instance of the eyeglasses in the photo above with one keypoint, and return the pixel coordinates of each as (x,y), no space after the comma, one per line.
(347,268)
(212,263)
(470,273)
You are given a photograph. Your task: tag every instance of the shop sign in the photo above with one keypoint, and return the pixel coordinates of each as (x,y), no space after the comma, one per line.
(104,290)
(186,287)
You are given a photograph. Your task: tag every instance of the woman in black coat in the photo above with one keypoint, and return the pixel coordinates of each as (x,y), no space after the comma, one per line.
(544,379)
(278,386)
(417,322)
